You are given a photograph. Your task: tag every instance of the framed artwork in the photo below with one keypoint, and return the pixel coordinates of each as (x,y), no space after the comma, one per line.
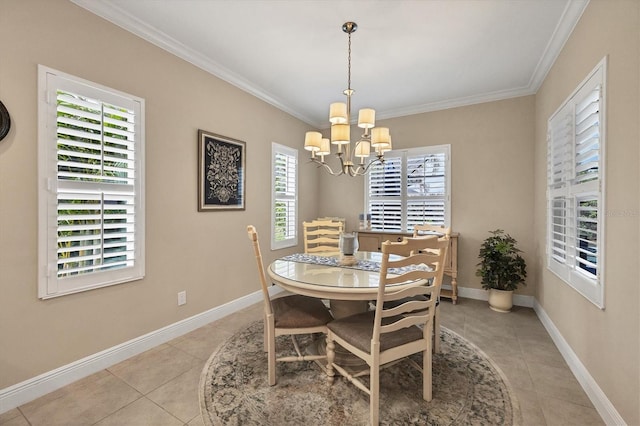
(221,168)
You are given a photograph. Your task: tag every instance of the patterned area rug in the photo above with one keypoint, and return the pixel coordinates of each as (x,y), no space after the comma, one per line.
(468,389)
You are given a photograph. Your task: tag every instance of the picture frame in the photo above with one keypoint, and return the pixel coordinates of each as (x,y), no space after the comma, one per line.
(221,172)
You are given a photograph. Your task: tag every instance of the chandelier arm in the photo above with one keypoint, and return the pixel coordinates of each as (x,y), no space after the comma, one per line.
(355,172)
(328,167)
(379,159)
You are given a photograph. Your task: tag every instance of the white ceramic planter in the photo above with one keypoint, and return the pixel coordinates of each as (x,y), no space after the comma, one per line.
(500,300)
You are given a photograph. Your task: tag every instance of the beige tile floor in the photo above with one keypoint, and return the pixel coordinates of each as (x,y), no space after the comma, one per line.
(160,386)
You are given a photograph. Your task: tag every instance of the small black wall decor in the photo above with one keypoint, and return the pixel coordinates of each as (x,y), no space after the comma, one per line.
(221,172)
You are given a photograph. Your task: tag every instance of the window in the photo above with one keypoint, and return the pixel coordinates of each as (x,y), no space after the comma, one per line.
(412,187)
(284,182)
(91,189)
(575,196)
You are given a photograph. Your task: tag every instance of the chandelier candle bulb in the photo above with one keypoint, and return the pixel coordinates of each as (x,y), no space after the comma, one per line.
(384,147)
(363,150)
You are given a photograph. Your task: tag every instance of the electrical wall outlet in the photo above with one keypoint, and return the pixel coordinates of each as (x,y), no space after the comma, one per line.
(182,298)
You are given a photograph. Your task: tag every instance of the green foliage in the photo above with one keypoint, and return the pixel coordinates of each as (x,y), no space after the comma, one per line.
(501,266)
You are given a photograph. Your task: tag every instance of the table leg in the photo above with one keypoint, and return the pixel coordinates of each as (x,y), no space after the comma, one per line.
(341,309)
(344,308)
(344,358)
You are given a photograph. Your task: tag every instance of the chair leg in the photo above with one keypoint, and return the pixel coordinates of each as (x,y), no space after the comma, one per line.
(271,351)
(427,389)
(374,397)
(266,334)
(436,331)
(331,355)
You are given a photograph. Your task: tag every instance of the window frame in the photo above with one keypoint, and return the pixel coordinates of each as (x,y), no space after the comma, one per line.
(403,199)
(102,189)
(567,192)
(290,240)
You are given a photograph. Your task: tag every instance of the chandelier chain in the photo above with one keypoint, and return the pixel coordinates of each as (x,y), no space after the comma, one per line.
(349,65)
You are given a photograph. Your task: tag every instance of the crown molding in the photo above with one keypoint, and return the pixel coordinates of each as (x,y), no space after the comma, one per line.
(123,19)
(106,10)
(568,21)
(455,103)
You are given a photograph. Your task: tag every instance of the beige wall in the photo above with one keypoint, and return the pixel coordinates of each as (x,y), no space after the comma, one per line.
(207,254)
(606,341)
(491,175)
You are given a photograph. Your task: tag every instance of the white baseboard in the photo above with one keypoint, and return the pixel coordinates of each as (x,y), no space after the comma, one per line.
(598,398)
(36,387)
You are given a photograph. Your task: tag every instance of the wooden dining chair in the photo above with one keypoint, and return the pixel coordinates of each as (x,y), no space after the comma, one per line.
(392,333)
(426,229)
(442,232)
(289,315)
(322,236)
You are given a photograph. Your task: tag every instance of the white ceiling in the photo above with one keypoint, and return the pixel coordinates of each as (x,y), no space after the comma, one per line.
(408,56)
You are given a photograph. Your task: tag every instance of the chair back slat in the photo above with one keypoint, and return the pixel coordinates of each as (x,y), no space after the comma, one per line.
(324,250)
(425,256)
(409,276)
(407,292)
(406,321)
(406,308)
(427,229)
(326,239)
(324,231)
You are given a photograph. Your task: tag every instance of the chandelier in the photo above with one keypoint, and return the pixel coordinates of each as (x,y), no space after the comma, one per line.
(352,159)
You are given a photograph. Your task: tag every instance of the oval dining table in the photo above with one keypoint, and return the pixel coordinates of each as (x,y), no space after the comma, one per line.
(348,288)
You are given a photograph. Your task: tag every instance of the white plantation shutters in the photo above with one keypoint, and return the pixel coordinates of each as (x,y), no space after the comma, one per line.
(385,194)
(284,196)
(426,189)
(575,172)
(91,193)
(410,188)
(558,173)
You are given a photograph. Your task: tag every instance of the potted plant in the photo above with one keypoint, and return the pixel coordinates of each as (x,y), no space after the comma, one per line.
(502,269)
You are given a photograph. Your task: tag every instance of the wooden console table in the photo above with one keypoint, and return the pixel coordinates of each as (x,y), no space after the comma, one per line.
(372,241)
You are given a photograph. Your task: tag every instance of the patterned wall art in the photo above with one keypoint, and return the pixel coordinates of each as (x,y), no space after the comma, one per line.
(221,172)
